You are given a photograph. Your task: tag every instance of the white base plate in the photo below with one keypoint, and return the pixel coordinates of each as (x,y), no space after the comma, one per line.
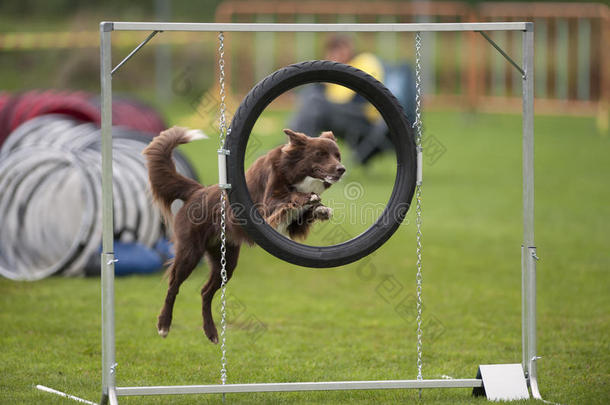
(502,382)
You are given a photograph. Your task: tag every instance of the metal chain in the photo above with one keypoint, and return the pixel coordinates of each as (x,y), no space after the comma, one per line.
(417,124)
(224,131)
(418,196)
(223,214)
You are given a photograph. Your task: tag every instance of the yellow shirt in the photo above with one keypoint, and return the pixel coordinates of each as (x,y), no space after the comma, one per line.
(339,94)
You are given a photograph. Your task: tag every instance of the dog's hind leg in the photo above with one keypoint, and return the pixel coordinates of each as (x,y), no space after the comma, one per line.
(214,283)
(186,259)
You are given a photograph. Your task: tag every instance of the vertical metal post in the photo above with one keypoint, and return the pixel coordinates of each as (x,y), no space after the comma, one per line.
(528,250)
(107,261)
(532,356)
(163,56)
(524,308)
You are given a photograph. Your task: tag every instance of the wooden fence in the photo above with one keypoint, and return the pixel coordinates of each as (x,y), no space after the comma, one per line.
(572,74)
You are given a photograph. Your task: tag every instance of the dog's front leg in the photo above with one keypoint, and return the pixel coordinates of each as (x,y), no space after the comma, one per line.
(291,208)
(301,221)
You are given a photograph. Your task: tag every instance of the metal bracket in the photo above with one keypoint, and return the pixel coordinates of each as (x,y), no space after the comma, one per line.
(533,378)
(508,58)
(106,26)
(420,163)
(222,168)
(534,254)
(108,258)
(136,49)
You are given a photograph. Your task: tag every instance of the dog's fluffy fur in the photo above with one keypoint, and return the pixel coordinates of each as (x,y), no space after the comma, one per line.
(285,184)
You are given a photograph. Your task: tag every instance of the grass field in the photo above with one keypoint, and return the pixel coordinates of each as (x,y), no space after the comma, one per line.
(357,322)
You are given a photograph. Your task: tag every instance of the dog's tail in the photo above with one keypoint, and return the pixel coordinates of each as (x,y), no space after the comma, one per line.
(166,183)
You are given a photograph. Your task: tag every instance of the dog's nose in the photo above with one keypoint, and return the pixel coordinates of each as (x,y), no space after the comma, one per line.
(340,169)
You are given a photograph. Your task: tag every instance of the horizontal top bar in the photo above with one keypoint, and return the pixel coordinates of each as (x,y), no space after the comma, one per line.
(260,27)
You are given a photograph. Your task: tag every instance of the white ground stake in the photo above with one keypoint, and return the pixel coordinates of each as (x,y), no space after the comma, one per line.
(63,394)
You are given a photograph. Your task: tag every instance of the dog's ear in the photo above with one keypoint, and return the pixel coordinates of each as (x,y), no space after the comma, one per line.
(328,135)
(296,138)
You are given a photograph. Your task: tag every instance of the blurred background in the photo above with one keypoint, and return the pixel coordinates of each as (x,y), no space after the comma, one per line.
(55,44)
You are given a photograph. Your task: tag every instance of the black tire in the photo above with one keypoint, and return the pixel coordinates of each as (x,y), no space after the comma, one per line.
(400,132)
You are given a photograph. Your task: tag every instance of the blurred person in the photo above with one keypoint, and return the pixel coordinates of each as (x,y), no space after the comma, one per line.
(326,106)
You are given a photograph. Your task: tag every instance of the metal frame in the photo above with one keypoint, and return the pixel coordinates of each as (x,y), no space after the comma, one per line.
(110,391)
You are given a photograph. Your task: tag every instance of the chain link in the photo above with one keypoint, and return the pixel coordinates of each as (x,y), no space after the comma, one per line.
(223,214)
(418,196)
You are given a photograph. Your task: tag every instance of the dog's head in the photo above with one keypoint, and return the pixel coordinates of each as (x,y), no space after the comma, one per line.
(312,164)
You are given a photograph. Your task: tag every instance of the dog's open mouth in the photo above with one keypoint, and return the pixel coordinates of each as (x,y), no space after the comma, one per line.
(330,180)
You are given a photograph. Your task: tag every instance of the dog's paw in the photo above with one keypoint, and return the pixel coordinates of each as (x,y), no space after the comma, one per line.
(323,213)
(313,201)
(163,325)
(314,198)
(213,339)
(211,333)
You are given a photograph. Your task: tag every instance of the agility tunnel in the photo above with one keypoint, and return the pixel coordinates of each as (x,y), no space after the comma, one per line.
(18,108)
(50,177)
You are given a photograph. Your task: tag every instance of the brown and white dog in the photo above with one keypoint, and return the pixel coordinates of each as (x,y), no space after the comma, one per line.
(285,184)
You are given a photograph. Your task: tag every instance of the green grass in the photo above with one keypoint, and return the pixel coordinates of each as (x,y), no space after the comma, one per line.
(343,324)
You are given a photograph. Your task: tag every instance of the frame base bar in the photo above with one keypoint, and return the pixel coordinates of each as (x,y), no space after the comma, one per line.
(298,386)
